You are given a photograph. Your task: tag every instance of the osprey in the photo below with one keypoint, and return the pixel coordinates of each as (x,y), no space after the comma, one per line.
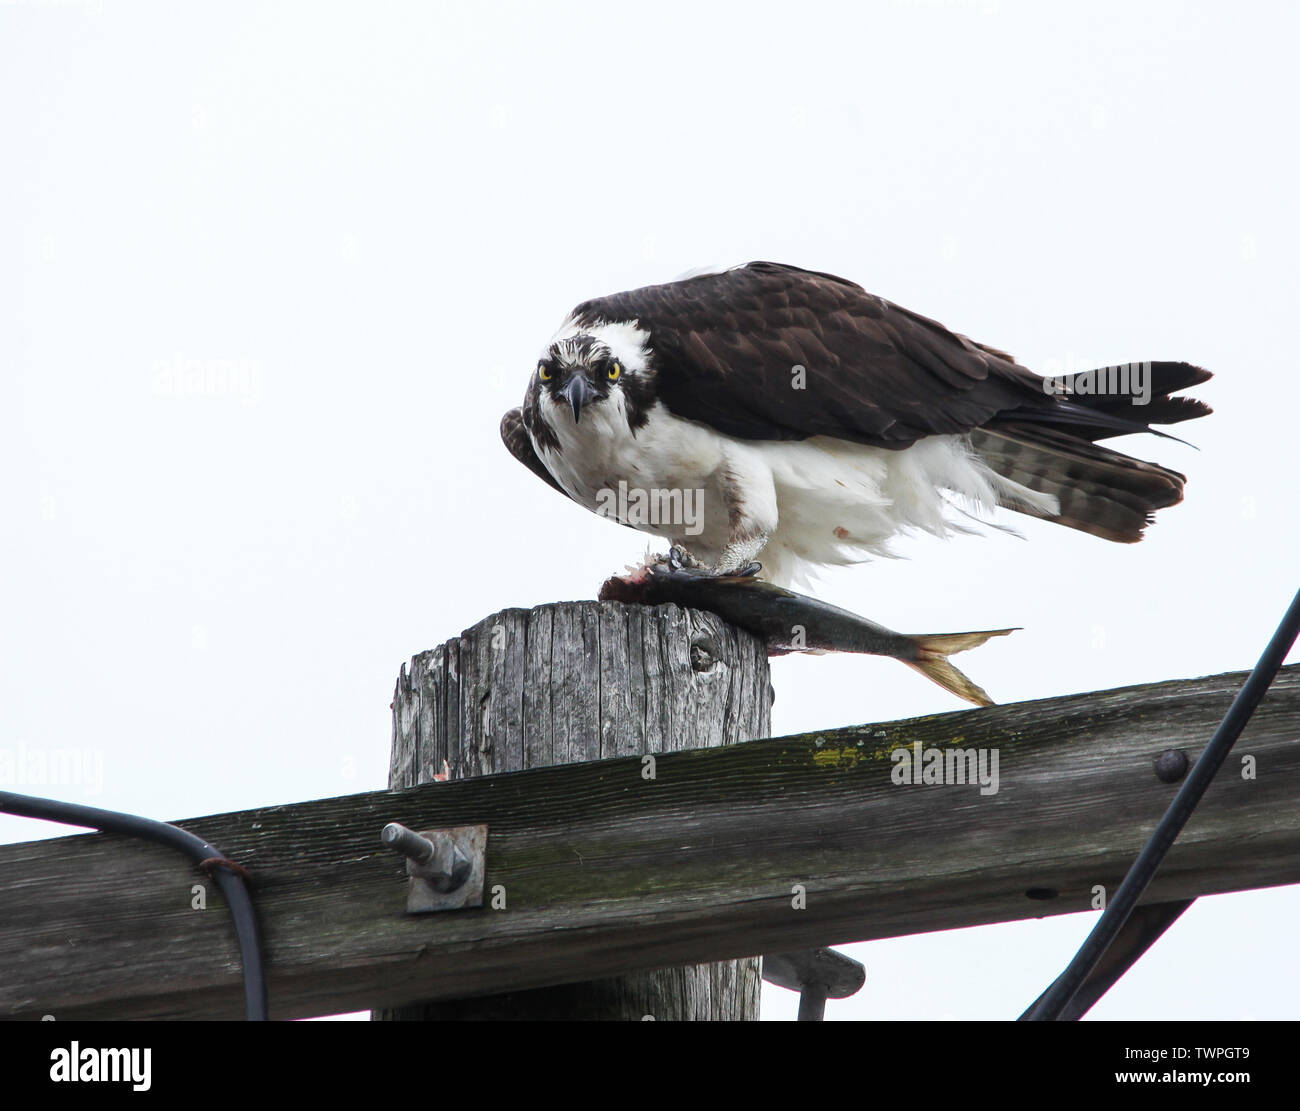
(768,412)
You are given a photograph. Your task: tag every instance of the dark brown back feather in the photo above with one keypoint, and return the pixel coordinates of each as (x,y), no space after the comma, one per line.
(725,347)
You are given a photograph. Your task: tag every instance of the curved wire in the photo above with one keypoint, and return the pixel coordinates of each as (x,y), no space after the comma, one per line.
(200,851)
(1052,1003)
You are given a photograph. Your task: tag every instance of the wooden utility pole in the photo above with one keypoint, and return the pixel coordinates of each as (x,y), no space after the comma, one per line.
(568,683)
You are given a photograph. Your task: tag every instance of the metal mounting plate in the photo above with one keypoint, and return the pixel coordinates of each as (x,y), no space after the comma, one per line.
(422,897)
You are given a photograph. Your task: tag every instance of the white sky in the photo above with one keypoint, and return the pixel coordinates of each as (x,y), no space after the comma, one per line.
(381,212)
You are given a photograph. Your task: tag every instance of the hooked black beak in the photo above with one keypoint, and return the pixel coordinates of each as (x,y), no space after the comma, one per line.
(577,392)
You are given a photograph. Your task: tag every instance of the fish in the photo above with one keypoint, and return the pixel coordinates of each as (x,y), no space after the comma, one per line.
(791,622)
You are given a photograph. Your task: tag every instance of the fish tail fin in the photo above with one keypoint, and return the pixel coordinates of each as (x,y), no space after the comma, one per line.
(933,651)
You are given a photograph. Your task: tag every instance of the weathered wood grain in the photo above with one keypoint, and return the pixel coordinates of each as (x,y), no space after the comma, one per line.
(572,682)
(608,874)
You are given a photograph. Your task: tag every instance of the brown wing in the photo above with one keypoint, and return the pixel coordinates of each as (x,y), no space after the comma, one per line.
(515,437)
(727,347)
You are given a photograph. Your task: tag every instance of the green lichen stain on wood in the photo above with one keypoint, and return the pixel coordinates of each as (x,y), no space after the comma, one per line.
(847,757)
(844,752)
(842,748)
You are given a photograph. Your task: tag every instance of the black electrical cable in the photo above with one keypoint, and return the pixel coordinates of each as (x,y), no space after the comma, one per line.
(1056,998)
(227,873)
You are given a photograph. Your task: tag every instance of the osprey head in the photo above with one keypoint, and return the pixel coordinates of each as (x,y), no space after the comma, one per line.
(582,370)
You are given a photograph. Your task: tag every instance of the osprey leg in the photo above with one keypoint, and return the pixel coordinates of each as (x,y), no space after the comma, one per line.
(736,561)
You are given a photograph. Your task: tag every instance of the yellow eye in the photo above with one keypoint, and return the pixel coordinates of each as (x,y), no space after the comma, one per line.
(543,373)
(614,371)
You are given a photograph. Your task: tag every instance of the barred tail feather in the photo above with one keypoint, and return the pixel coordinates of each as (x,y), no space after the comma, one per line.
(1097,490)
(1054,452)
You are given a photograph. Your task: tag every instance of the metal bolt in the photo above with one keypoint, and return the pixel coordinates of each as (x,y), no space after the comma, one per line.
(812,1003)
(1171,765)
(817,975)
(407,842)
(438,859)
